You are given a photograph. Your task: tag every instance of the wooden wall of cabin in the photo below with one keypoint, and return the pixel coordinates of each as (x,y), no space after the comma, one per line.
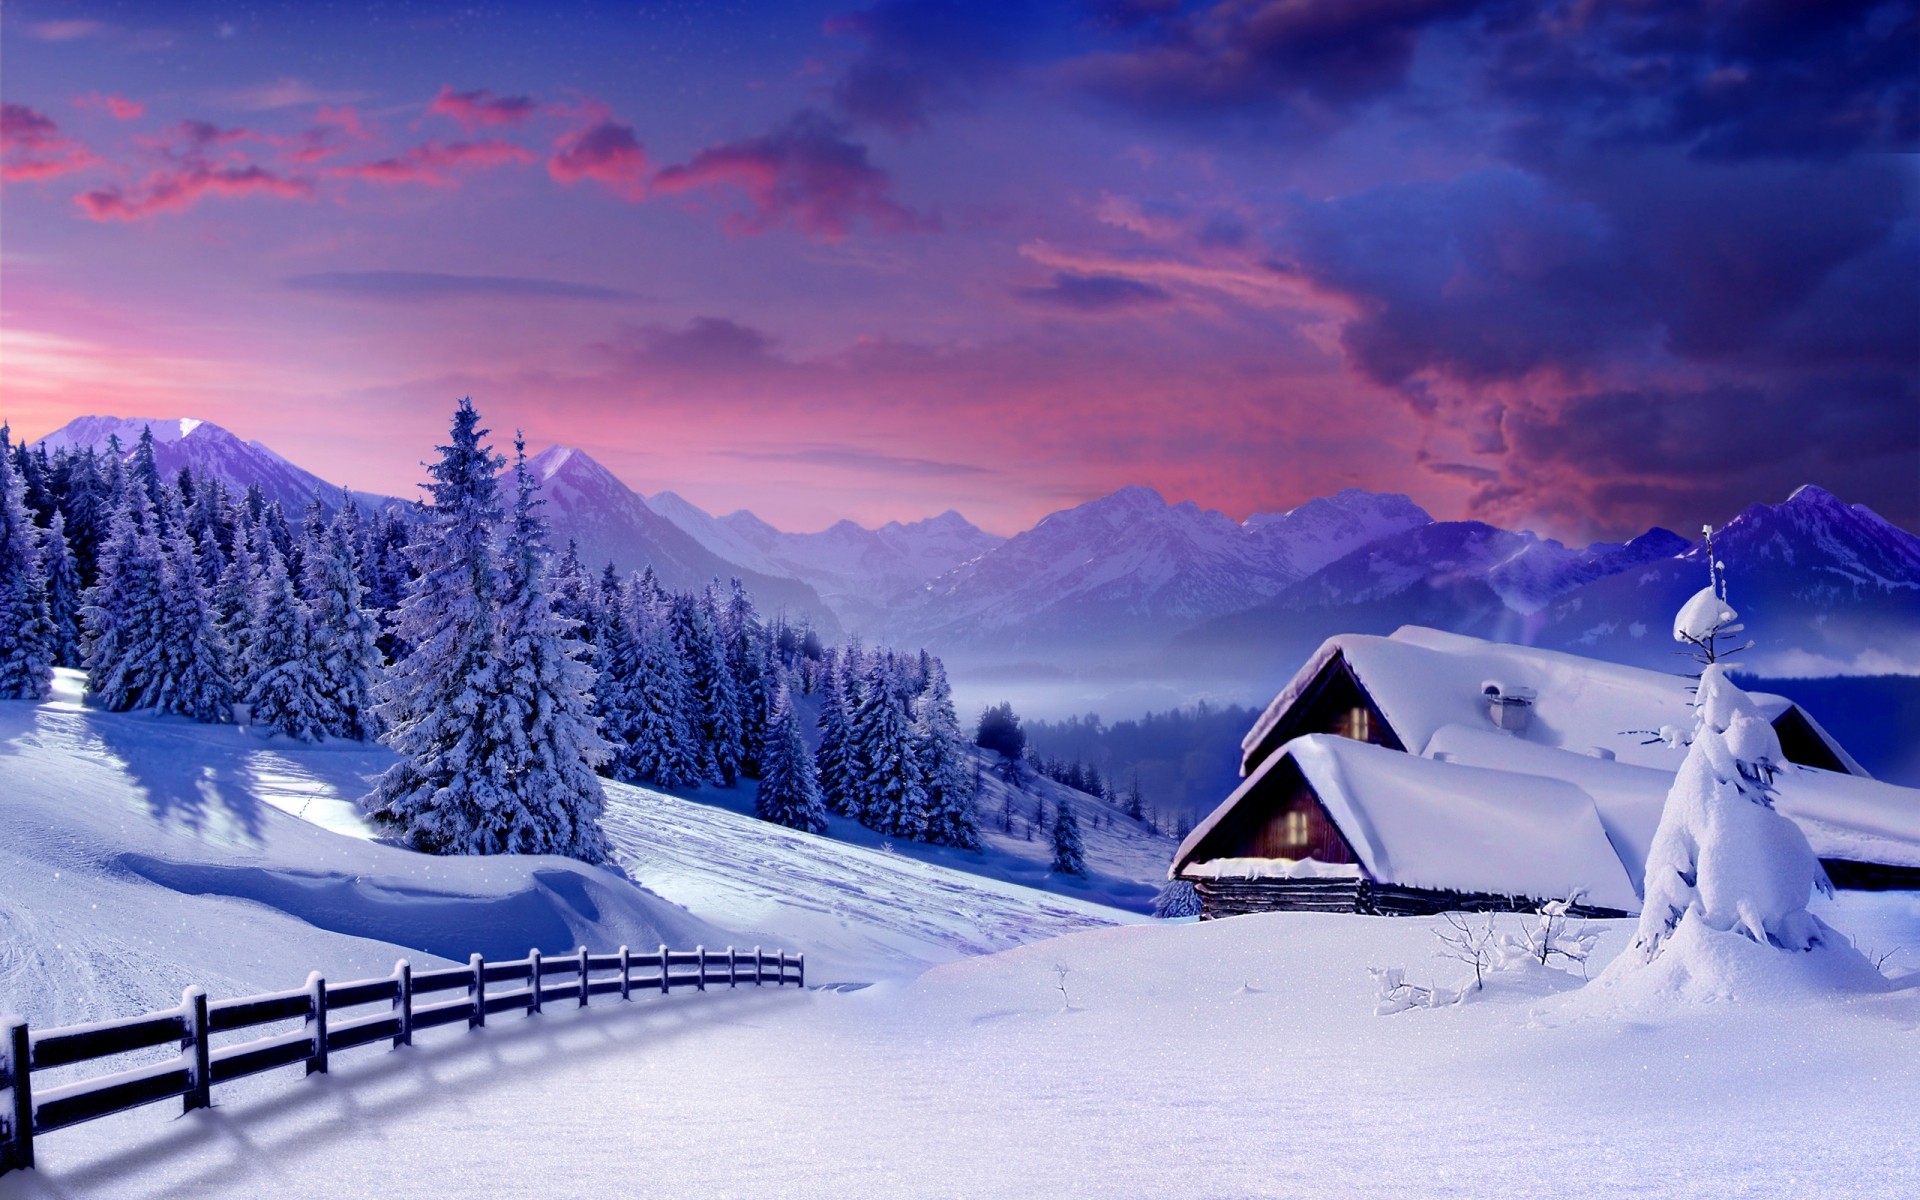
(1280,818)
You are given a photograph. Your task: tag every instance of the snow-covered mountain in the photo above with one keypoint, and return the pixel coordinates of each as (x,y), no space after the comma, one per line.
(1329,527)
(613,523)
(208,451)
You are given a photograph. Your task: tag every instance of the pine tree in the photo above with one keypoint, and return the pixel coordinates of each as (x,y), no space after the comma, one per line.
(386,574)
(663,747)
(551,801)
(123,613)
(1069,856)
(893,800)
(285,691)
(234,599)
(27,634)
(749,652)
(789,792)
(345,634)
(65,594)
(946,769)
(195,680)
(618,658)
(834,762)
(713,713)
(441,703)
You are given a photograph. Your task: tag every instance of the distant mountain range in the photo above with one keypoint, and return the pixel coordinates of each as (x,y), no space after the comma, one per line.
(1131,583)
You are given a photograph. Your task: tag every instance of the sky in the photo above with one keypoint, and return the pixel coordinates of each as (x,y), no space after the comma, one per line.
(1573,266)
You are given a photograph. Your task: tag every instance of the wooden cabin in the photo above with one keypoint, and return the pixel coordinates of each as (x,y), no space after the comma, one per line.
(1430,771)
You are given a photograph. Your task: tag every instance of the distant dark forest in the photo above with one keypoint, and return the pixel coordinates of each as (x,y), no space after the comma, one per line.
(1188,759)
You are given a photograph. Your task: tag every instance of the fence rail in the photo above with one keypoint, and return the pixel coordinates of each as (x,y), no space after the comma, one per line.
(199,1065)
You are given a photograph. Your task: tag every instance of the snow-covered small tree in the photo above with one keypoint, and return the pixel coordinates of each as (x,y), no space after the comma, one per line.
(833,760)
(789,792)
(946,769)
(892,797)
(122,617)
(285,687)
(1069,855)
(346,633)
(27,633)
(66,596)
(550,798)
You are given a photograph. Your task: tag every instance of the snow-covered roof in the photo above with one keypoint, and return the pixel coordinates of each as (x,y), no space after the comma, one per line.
(1423,823)
(1424,680)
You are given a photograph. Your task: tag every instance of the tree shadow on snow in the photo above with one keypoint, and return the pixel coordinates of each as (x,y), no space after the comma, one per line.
(192,776)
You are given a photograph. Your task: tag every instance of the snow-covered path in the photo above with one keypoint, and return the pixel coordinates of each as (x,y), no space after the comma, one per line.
(1231,1058)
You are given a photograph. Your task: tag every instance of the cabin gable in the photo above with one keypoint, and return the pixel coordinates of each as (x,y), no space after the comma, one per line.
(1802,746)
(1334,702)
(1280,817)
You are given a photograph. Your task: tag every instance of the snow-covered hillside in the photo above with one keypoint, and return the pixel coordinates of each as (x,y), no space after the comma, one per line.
(141,853)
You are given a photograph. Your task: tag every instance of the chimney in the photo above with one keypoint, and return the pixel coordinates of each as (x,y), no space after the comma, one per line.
(1510,708)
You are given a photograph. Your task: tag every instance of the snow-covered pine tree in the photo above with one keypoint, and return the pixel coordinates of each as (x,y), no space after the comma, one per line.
(749,651)
(893,799)
(84,501)
(386,573)
(65,594)
(663,749)
(789,792)
(833,760)
(27,634)
(618,658)
(143,472)
(713,711)
(440,704)
(1069,855)
(946,769)
(196,679)
(122,616)
(234,601)
(551,799)
(1176,899)
(210,521)
(346,634)
(285,687)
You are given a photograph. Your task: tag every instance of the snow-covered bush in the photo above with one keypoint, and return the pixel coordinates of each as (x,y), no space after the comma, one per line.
(1177,899)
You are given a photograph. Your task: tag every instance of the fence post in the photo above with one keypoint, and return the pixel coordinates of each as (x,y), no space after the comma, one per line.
(193,1048)
(663,969)
(626,974)
(702,952)
(533,977)
(317,1023)
(403,1003)
(802,981)
(733,968)
(16,1074)
(477,992)
(585,968)
(759,968)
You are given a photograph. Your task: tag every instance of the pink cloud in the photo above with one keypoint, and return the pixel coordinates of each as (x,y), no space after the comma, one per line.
(120,107)
(480,107)
(177,190)
(430,162)
(806,174)
(32,146)
(66,31)
(605,152)
(335,130)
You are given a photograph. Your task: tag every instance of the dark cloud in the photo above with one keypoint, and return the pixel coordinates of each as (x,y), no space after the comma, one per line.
(856,458)
(607,153)
(179,189)
(1095,294)
(807,174)
(32,146)
(1304,59)
(922,55)
(704,344)
(480,107)
(430,286)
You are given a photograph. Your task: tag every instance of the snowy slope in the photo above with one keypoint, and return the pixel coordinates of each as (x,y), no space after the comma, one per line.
(138,854)
(1230,1058)
(209,452)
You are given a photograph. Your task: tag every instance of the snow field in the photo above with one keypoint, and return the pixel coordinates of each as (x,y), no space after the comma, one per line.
(1238,1057)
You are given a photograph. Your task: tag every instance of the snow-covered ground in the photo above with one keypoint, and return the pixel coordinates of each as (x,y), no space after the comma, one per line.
(1239,1057)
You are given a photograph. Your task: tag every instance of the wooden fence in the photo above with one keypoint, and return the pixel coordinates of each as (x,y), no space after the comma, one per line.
(199,1066)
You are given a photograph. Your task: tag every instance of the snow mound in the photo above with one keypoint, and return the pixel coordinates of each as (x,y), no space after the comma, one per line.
(1699,964)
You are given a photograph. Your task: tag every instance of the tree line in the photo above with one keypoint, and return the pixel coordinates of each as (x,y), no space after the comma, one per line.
(503,676)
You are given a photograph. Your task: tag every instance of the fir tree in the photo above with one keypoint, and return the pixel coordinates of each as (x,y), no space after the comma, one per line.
(1069,856)
(893,800)
(834,762)
(234,599)
(122,616)
(284,693)
(27,634)
(712,711)
(946,769)
(345,634)
(749,653)
(618,659)
(789,792)
(551,801)
(663,747)
(65,594)
(194,680)
(441,703)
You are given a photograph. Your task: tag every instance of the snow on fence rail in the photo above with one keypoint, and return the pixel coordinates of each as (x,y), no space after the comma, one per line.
(192,1074)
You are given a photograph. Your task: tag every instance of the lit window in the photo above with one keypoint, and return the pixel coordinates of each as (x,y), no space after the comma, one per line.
(1297,832)
(1359,724)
